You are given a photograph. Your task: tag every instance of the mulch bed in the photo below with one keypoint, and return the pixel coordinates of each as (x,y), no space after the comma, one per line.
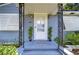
(75,51)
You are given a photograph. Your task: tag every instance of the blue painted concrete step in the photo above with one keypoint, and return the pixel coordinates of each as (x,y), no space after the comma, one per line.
(40,45)
(41,52)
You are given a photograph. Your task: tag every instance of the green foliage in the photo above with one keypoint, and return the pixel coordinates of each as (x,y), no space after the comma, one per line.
(71,6)
(30,32)
(57,40)
(8,50)
(72,38)
(49,33)
(16,45)
(68,7)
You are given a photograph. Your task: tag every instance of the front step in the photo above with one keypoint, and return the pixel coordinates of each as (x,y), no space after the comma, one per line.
(40,45)
(41,52)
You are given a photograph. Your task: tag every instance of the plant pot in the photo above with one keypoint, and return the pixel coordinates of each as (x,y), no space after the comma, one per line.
(30,39)
(50,40)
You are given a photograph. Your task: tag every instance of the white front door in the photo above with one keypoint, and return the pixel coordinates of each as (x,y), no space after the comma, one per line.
(40,26)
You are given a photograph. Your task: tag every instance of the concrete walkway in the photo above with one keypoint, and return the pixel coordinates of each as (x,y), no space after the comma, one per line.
(41,52)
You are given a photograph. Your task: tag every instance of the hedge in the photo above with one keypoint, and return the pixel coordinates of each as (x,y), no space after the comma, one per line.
(8,50)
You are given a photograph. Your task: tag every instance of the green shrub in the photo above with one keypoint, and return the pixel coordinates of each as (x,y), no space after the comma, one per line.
(71,6)
(30,32)
(50,33)
(16,45)
(72,38)
(58,41)
(8,50)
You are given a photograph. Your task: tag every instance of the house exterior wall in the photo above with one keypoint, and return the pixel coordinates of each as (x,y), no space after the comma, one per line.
(28,21)
(10,8)
(71,23)
(14,35)
(52,22)
(11,36)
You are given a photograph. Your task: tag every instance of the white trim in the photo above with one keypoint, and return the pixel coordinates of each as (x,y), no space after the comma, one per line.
(66,51)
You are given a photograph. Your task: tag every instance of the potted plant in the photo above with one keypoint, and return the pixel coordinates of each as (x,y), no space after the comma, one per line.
(30,32)
(50,33)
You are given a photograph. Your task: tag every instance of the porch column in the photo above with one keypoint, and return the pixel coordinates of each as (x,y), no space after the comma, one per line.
(60,23)
(21,23)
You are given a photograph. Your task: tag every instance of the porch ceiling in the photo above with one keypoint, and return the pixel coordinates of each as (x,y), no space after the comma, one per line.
(31,8)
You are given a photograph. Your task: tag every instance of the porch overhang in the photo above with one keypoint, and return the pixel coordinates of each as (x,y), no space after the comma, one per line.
(31,8)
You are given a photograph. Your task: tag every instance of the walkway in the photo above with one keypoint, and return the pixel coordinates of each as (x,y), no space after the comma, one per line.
(41,52)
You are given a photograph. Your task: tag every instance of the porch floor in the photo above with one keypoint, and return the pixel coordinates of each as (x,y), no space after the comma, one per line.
(38,47)
(40,44)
